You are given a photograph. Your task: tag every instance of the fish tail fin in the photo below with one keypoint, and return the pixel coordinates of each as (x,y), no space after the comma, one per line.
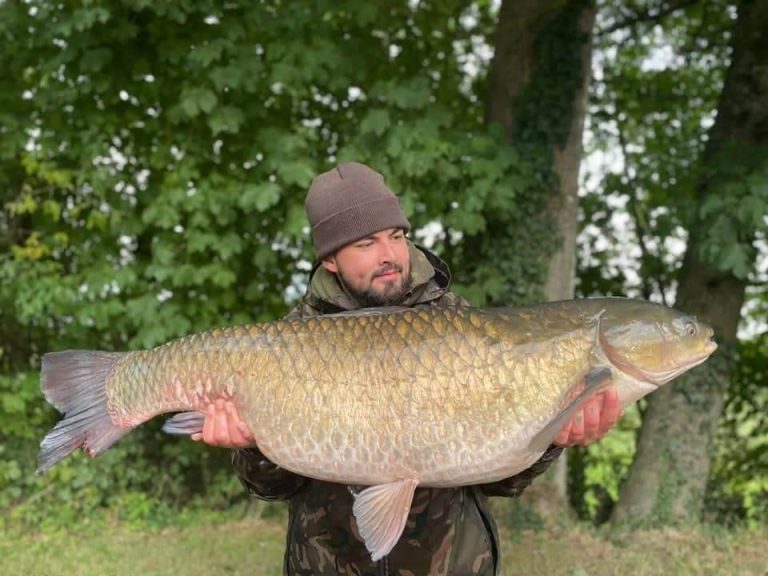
(74,381)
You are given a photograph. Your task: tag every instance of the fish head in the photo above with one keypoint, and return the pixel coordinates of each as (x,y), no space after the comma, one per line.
(654,343)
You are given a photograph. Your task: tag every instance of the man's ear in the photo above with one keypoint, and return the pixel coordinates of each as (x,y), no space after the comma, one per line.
(330,264)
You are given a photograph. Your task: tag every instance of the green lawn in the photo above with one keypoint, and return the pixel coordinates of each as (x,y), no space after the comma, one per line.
(255,546)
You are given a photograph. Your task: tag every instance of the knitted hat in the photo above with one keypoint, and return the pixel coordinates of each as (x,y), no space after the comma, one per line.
(348,203)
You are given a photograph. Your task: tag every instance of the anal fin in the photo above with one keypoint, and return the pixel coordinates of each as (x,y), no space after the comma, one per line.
(381,512)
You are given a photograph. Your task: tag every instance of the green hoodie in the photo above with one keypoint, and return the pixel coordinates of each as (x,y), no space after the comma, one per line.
(449,530)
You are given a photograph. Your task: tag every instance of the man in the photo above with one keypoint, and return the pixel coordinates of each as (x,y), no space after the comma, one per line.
(364,259)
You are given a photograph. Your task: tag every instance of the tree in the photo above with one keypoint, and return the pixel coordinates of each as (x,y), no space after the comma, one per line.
(668,477)
(154,161)
(538,85)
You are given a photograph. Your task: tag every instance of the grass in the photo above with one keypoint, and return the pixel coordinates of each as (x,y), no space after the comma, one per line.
(584,552)
(254,546)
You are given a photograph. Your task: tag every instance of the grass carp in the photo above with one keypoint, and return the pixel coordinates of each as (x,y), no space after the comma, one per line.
(386,398)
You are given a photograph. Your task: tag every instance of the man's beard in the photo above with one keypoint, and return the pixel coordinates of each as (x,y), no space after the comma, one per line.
(370,298)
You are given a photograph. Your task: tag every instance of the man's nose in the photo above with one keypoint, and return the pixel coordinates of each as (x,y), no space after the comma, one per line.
(386,251)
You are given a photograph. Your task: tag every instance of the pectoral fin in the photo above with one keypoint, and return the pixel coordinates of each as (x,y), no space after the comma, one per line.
(595,380)
(381,512)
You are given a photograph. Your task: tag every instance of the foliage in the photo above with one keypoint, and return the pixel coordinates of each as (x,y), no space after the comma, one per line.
(654,97)
(596,471)
(153,165)
(658,82)
(144,479)
(738,489)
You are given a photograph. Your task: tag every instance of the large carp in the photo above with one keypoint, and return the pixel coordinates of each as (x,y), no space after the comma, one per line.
(386,398)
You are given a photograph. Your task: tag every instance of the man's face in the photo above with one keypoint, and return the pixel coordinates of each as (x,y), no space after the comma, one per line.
(375,270)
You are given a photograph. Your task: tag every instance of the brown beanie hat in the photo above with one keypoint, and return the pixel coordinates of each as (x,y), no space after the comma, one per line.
(348,203)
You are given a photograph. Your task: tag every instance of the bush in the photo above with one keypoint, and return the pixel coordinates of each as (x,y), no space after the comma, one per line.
(148,477)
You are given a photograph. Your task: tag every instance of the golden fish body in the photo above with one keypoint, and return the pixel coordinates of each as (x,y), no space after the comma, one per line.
(447,396)
(428,396)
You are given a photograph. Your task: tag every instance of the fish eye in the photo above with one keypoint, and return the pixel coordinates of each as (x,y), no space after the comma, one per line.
(690,328)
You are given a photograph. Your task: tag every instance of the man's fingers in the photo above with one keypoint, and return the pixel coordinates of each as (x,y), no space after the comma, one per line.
(245,432)
(612,409)
(208,423)
(239,434)
(221,426)
(592,421)
(577,426)
(591,412)
(564,435)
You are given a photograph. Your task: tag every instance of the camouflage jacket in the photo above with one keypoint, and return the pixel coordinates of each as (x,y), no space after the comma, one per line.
(449,530)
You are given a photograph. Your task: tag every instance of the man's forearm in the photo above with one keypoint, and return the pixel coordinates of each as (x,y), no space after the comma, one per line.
(263,478)
(514,486)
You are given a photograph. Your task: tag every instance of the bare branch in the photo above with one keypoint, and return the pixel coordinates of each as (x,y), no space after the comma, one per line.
(648,15)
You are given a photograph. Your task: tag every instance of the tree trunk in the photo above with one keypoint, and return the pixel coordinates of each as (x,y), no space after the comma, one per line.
(526,30)
(667,480)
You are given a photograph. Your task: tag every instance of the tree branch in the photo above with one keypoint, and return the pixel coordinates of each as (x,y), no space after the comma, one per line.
(648,15)
(641,225)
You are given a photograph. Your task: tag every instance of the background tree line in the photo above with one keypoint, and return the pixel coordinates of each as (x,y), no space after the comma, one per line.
(154,160)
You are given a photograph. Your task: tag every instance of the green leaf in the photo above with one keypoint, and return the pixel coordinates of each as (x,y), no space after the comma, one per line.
(751,212)
(734,258)
(96,221)
(375,122)
(226,119)
(196,100)
(208,53)
(411,94)
(296,221)
(25,205)
(198,241)
(757,182)
(712,204)
(96,60)
(52,209)
(259,197)
(296,172)
(226,77)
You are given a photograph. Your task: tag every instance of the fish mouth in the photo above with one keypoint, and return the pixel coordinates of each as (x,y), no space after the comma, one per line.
(657,377)
(661,377)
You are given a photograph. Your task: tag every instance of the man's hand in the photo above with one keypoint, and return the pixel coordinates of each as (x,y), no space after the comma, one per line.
(593,420)
(224,428)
